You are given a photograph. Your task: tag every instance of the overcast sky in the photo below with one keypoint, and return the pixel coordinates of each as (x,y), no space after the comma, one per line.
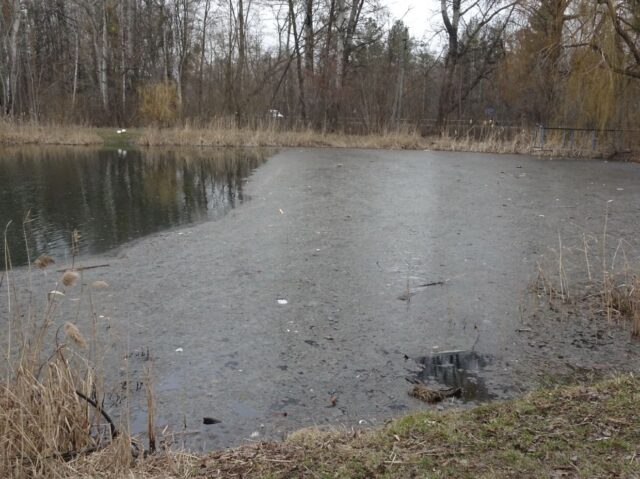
(418,15)
(421,16)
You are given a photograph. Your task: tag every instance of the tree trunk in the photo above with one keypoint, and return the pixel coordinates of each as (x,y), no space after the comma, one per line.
(296,42)
(104,53)
(202,58)
(241,63)
(12,73)
(451,60)
(75,73)
(397,101)
(123,58)
(308,39)
(340,27)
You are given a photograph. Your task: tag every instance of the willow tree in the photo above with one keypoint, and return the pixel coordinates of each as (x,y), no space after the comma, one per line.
(624,17)
(602,83)
(533,76)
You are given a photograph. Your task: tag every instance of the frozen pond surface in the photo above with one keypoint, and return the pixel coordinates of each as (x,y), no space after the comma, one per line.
(350,239)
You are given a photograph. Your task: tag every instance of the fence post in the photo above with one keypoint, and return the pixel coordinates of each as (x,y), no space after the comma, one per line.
(541,136)
(594,140)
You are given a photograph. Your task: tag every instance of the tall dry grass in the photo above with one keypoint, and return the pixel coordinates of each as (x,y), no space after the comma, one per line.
(51,414)
(32,133)
(52,390)
(596,275)
(224,133)
(491,140)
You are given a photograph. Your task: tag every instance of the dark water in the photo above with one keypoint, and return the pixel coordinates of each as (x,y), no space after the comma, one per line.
(112,196)
(457,369)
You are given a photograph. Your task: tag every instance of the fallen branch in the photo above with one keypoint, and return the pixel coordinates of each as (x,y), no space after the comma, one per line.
(82,268)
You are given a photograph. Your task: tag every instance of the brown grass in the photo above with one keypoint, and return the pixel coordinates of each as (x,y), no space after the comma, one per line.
(30,133)
(49,403)
(223,132)
(493,141)
(226,135)
(592,279)
(570,431)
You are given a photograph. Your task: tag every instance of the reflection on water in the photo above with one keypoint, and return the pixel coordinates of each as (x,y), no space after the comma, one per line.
(113,196)
(457,369)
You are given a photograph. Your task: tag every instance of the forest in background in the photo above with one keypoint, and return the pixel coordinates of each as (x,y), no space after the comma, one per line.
(328,64)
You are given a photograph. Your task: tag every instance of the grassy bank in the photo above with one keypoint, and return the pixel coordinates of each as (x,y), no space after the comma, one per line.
(274,137)
(29,133)
(225,134)
(573,431)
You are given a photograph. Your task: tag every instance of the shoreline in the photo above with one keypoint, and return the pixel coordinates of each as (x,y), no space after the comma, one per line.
(28,134)
(536,434)
(577,430)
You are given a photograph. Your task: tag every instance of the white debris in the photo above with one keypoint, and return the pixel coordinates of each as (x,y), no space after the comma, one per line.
(620,189)
(255,434)
(53,294)
(179,350)
(282,301)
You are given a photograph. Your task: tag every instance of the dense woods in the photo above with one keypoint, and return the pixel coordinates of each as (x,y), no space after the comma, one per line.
(330,64)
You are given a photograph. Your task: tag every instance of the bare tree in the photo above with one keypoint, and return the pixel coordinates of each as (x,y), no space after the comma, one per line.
(464,22)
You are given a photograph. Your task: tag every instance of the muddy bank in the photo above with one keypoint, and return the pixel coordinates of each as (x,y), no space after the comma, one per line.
(349,238)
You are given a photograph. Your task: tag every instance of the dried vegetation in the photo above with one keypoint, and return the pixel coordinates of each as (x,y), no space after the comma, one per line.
(595,277)
(32,133)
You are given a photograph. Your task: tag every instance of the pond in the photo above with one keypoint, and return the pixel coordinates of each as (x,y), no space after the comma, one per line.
(112,196)
(348,274)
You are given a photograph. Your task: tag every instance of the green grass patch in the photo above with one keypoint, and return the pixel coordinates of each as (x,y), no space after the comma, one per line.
(566,431)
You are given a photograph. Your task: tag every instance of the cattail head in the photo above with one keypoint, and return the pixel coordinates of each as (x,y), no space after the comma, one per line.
(43,261)
(74,334)
(69,278)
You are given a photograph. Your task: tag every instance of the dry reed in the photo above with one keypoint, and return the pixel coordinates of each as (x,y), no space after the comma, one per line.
(225,134)
(31,133)
(50,413)
(613,291)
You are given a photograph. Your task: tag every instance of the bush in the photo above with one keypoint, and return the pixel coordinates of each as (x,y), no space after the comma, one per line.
(158,104)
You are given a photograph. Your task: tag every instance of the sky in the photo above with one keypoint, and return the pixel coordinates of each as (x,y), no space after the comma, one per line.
(421,16)
(418,15)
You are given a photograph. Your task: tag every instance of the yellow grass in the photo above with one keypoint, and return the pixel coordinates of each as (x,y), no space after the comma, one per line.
(30,133)
(224,133)
(229,136)
(492,143)
(50,413)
